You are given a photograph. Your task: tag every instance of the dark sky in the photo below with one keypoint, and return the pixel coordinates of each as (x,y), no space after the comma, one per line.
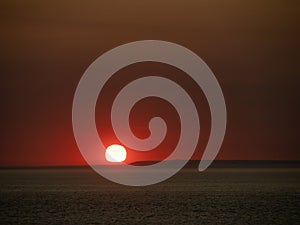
(251,46)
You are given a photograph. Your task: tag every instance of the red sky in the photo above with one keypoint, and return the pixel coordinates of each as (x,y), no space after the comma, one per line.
(251,46)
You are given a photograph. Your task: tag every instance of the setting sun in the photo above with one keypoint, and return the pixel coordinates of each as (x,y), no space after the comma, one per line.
(115,153)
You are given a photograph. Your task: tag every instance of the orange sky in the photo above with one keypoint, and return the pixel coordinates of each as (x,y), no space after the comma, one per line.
(251,46)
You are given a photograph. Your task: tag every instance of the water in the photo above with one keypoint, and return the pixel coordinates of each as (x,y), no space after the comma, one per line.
(217,196)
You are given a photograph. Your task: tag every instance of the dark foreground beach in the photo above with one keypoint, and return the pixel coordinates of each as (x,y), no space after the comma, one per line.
(216,196)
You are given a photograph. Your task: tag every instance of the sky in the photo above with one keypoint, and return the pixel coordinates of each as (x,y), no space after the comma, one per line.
(251,46)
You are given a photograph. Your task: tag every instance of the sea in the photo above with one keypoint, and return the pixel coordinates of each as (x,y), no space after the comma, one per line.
(219,195)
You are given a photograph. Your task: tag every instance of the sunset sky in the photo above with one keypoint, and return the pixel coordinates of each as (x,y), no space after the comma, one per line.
(251,46)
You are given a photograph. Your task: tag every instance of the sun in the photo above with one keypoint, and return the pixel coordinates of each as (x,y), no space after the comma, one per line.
(115,153)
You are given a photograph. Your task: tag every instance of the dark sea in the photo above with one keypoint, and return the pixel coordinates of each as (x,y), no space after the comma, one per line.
(216,196)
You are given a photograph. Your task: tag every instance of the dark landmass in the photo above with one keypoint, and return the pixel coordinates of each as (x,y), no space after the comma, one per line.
(236,163)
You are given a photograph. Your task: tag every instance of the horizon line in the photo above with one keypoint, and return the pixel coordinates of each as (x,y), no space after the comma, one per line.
(289,161)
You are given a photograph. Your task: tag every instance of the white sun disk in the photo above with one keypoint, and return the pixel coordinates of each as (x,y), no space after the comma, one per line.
(115,153)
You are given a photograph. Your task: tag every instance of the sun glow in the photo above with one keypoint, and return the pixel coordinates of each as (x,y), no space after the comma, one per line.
(115,153)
